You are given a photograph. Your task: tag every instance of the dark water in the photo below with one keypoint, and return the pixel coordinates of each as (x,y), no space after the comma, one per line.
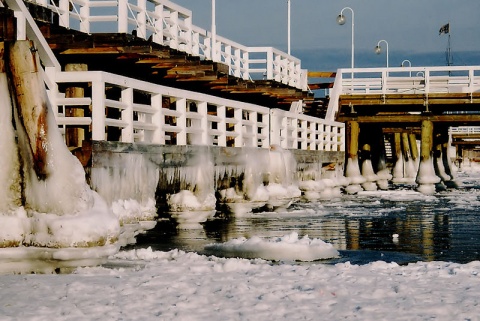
(442,227)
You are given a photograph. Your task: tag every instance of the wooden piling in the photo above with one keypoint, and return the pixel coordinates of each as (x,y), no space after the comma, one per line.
(30,100)
(426,177)
(352,170)
(353,131)
(409,165)
(426,140)
(74,136)
(413,146)
(398,167)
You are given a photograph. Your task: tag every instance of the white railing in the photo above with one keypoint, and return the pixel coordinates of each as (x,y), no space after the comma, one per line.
(403,80)
(464,130)
(298,131)
(169,24)
(129,110)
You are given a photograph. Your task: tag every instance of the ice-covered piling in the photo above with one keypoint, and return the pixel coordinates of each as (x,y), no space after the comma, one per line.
(426,178)
(367,170)
(49,203)
(352,170)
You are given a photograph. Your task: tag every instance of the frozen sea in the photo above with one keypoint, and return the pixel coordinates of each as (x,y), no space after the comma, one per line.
(403,256)
(399,225)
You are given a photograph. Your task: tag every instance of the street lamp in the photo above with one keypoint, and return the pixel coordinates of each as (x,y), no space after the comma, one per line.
(341,21)
(409,65)
(378,49)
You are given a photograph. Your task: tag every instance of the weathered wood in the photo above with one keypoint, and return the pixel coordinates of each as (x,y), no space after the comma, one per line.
(74,137)
(321,74)
(426,146)
(410,99)
(413,146)
(30,100)
(401,120)
(324,85)
(353,131)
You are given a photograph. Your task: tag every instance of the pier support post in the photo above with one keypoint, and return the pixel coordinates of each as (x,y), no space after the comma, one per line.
(426,178)
(74,136)
(398,167)
(414,149)
(447,162)
(442,163)
(367,170)
(409,165)
(352,170)
(379,156)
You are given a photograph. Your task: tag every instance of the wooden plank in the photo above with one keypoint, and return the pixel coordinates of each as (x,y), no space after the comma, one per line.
(324,85)
(321,74)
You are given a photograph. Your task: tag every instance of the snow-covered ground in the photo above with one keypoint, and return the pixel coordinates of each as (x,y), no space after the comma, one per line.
(175,285)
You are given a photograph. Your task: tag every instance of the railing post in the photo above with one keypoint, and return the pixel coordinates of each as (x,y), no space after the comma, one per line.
(85,14)
(187,35)
(471,79)
(384,81)
(98,110)
(122,16)
(142,19)
(238,127)
(64,16)
(208,51)
(340,141)
(270,63)
(21,25)
(195,43)
(127,115)
(202,110)
(174,29)
(158,35)
(222,126)
(245,65)
(181,104)
(158,120)
(427,81)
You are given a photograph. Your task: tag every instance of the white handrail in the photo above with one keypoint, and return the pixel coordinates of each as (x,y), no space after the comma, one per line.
(401,80)
(165,115)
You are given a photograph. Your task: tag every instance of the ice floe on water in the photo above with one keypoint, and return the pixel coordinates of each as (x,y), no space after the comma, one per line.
(289,247)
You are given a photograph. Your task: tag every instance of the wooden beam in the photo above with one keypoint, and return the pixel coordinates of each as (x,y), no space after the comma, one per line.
(321,74)
(470,120)
(324,85)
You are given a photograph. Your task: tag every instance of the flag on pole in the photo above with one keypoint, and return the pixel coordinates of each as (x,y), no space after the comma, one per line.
(444,29)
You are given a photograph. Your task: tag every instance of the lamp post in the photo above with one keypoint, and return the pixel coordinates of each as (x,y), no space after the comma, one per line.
(341,21)
(214,32)
(378,49)
(288,22)
(409,65)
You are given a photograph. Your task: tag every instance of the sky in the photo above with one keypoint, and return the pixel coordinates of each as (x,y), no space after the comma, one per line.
(410,27)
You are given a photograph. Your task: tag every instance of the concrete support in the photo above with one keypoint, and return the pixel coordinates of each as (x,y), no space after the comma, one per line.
(426,178)
(352,171)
